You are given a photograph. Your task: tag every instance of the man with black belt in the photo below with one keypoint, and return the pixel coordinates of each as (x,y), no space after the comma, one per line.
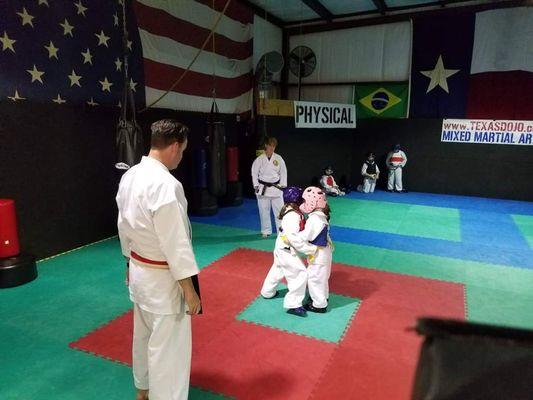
(155,237)
(269,176)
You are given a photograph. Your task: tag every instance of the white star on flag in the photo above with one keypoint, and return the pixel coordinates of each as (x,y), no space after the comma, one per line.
(45,2)
(118,63)
(16,96)
(74,79)
(87,57)
(7,43)
(92,102)
(35,74)
(115,19)
(67,28)
(106,85)
(438,76)
(129,43)
(133,85)
(52,50)
(26,18)
(59,100)
(81,8)
(102,38)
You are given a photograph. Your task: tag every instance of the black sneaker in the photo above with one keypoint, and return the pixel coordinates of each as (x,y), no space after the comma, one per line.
(299,311)
(312,308)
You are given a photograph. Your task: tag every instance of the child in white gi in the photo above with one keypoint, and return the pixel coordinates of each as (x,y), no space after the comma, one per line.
(328,183)
(287,263)
(396,160)
(370,172)
(316,232)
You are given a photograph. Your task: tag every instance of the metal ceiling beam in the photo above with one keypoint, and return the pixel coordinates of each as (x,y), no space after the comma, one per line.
(319,8)
(261,12)
(381,6)
(391,18)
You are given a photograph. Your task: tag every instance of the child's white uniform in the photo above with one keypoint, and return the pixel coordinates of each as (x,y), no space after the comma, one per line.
(330,186)
(319,265)
(287,263)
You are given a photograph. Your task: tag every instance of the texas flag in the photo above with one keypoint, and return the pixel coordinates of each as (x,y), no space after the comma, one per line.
(501,75)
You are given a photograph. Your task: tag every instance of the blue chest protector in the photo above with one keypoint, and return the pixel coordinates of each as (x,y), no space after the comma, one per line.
(322,238)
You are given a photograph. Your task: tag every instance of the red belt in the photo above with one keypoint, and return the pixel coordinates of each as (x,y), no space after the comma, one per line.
(151,263)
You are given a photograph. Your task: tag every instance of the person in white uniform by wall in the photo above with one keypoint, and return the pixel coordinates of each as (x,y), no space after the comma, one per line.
(396,160)
(269,177)
(155,238)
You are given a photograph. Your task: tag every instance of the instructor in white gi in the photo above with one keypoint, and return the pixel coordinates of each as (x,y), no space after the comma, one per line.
(269,174)
(155,237)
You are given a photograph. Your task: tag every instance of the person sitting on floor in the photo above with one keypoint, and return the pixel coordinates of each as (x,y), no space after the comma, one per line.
(328,183)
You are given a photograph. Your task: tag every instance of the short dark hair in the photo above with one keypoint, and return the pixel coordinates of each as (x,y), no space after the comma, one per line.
(271,141)
(167,131)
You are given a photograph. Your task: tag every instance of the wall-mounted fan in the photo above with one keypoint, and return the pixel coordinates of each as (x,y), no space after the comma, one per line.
(270,63)
(302,63)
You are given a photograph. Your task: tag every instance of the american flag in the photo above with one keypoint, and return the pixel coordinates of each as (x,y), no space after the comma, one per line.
(67,52)
(171,33)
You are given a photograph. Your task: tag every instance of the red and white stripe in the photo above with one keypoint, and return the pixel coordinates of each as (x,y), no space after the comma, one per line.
(172,32)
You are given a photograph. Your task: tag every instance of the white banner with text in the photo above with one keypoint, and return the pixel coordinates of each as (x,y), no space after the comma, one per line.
(487,131)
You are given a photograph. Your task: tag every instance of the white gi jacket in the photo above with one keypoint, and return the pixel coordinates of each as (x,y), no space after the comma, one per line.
(272,170)
(153,222)
(396,159)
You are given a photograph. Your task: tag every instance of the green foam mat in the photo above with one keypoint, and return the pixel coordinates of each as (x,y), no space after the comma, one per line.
(525,224)
(329,326)
(403,219)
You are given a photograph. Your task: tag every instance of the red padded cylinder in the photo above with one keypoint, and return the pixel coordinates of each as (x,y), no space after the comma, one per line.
(232,160)
(9,239)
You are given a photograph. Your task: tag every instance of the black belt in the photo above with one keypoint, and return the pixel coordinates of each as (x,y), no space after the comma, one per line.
(267,184)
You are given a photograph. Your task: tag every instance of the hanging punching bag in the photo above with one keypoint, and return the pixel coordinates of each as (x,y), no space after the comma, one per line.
(130,144)
(199,169)
(217,154)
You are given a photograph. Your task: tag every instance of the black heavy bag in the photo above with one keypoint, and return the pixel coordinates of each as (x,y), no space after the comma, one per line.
(217,154)
(129,144)
(199,169)
(467,361)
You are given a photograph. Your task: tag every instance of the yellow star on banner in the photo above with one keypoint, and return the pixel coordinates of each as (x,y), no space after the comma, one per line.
(106,85)
(52,50)
(26,18)
(87,57)
(102,38)
(118,64)
(16,97)
(74,79)
(438,76)
(67,28)
(36,75)
(81,8)
(7,43)
(59,100)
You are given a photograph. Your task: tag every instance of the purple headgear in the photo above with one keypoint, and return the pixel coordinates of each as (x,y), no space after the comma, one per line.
(292,194)
(313,198)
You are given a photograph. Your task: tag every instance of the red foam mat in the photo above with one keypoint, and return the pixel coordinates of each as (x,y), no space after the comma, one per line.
(375,360)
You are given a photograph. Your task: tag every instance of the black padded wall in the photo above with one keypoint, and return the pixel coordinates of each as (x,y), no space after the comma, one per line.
(56,162)
(499,171)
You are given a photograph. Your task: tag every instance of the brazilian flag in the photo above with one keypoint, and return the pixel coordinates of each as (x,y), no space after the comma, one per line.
(381,100)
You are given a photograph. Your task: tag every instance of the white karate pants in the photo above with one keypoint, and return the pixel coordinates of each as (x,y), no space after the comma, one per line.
(264,204)
(395,179)
(162,354)
(318,272)
(293,269)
